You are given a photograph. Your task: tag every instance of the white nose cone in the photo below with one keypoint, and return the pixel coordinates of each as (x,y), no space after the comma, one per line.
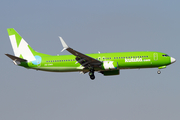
(173,60)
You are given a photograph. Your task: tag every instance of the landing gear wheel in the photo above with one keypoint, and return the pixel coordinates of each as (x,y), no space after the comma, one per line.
(159,72)
(91,74)
(92,77)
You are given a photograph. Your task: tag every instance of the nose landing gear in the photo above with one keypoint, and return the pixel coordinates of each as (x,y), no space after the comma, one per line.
(158,72)
(91,74)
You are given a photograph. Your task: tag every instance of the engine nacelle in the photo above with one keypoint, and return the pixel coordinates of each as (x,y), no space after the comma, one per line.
(109,73)
(109,65)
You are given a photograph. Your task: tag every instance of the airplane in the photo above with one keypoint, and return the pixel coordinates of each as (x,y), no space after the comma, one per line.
(105,63)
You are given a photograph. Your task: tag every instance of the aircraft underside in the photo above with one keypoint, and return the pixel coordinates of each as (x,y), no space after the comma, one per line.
(90,71)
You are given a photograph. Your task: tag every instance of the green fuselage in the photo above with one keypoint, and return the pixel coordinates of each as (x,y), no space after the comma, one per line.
(105,63)
(124,60)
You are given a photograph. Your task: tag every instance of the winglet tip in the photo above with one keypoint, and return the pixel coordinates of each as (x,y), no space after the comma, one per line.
(60,37)
(63,44)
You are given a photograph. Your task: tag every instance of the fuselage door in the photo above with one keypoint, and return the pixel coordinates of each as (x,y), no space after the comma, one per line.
(38,62)
(155,56)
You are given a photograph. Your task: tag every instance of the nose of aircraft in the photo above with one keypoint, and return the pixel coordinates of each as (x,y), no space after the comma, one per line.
(173,60)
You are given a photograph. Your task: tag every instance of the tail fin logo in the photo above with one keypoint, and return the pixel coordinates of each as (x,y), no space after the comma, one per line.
(21,49)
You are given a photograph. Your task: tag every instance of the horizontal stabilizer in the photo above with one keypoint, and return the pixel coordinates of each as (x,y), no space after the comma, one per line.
(14,58)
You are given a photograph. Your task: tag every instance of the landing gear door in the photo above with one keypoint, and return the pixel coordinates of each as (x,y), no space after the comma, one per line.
(155,56)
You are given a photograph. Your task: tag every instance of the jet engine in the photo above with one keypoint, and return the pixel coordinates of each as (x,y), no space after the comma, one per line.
(109,73)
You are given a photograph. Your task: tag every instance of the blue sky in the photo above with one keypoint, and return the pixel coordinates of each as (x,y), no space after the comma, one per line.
(89,27)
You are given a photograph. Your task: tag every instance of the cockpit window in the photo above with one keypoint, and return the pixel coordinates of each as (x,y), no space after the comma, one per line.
(165,55)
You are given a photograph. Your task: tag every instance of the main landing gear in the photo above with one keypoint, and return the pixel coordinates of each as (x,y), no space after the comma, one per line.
(158,72)
(91,74)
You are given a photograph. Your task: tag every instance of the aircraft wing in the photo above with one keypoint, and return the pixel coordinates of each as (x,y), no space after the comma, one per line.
(83,59)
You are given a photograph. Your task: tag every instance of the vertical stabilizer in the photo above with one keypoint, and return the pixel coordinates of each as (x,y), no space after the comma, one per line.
(20,46)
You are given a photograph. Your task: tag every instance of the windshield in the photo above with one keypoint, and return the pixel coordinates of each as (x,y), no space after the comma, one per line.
(165,55)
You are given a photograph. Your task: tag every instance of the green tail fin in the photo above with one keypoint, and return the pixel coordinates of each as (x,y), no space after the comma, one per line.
(21,48)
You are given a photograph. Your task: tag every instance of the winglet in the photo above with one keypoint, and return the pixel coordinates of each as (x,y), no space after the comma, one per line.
(63,44)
